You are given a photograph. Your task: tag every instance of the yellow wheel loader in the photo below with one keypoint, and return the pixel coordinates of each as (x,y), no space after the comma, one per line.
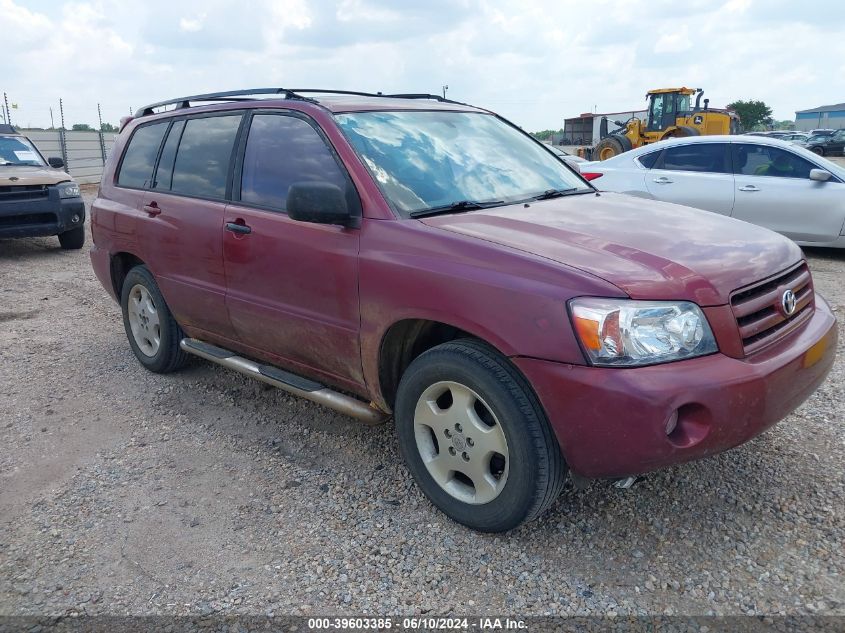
(670,114)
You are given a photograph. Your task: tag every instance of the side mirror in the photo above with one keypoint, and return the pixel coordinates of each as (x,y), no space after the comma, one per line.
(820,175)
(317,202)
(55,162)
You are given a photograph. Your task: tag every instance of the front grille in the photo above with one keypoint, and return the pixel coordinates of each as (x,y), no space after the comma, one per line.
(10,193)
(27,219)
(759,312)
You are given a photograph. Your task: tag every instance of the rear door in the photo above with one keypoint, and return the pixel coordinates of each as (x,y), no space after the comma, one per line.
(773,189)
(184,218)
(695,174)
(292,287)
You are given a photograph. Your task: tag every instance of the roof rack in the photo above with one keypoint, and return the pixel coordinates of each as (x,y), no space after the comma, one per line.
(296,93)
(231,95)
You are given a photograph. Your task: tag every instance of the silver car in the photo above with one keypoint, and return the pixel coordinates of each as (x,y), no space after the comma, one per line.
(761,180)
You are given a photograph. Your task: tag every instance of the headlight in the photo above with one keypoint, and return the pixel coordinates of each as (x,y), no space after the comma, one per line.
(621,332)
(68,190)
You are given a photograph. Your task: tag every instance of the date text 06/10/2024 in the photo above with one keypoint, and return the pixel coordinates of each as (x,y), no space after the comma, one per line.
(413,624)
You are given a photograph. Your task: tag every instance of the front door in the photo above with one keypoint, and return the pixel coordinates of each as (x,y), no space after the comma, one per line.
(773,189)
(292,287)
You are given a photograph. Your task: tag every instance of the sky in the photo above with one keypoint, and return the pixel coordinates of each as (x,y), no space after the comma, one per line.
(535,62)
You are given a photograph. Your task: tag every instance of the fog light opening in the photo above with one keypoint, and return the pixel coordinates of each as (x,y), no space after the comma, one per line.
(672,422)
(74,219)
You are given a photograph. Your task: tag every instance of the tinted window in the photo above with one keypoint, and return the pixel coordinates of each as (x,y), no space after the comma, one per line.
(704,157)
(280,151)
(136,170)
(164,172)
(762,160)
(648,160)
(202,160)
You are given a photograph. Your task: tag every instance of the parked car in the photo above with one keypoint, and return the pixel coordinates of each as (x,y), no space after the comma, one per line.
(416,257)
(822,131)
(36,197)
(826,145)
(794,137)
(764,181)
(568,158)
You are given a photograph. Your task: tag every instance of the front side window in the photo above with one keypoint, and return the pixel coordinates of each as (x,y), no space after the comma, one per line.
(136,169)
(764,160)
(202,161)
(16,150)
(701,157)
(422,160)
(282,150)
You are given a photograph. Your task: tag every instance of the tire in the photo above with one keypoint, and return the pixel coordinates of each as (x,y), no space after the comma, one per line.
(684,131)
(436,437)
(73,239)
(817,150)
(153,333)
(611,146)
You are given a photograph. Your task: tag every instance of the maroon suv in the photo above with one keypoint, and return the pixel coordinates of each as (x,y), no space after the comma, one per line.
(411,256)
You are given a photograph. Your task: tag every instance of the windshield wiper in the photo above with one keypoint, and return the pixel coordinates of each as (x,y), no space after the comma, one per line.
(559,193)
(455,207)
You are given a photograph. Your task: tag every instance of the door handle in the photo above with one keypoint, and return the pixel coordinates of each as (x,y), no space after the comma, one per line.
(238,227)
(749,188)
(663,180)
(152,209)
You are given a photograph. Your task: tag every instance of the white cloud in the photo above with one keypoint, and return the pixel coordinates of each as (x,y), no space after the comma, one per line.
(535,61)
(192,25)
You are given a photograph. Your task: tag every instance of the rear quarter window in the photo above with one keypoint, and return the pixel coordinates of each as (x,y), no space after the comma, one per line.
(648,160)
(136,168)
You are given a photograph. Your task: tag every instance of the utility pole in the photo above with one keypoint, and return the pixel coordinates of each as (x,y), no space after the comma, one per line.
(8,116)
(445,88)
(62,136)
(52,125)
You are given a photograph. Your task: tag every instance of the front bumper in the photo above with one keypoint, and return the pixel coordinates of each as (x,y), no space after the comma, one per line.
(49,215)
(611,422)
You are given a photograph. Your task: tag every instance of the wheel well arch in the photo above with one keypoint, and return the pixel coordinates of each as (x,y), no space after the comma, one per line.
(120,265)
(404,341)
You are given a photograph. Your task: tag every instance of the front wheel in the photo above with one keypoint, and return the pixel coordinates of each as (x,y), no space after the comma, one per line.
(476,439)
(818,150)
(73,239)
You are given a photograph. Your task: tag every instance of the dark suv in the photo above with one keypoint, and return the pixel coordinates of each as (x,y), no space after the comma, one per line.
(411,256)
(36,196)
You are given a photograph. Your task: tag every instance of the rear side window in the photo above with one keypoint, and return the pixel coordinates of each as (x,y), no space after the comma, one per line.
(164,171)
(201,166)
(763,160)
(700,157)
(648,160)
(136,169)
(282,150)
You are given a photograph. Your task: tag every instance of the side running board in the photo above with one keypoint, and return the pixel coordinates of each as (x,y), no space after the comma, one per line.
(297,385)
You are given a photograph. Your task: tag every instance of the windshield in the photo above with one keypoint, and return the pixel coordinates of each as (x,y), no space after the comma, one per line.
(16,150)
(424,160)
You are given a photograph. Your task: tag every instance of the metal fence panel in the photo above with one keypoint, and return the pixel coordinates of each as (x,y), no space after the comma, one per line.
(83,150)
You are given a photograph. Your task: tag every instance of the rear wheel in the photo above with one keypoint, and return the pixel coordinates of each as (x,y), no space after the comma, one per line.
(818,150)
(611,146)
(683,131)
(475,438)
(153,333)
(73,239)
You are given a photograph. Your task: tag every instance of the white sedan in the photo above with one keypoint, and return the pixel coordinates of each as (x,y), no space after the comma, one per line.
(761,180)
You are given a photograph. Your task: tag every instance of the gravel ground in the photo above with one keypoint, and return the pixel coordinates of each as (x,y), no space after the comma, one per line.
(125,492)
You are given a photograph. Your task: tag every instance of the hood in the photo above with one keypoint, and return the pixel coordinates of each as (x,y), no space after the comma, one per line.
(648,249)
(31,175)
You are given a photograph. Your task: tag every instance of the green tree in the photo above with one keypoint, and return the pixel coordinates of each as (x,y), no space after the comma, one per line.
(545,134)
(81,127)
(108,127)
(752,113)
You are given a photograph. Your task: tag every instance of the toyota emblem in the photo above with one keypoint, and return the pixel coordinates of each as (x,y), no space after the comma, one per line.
(788,301)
